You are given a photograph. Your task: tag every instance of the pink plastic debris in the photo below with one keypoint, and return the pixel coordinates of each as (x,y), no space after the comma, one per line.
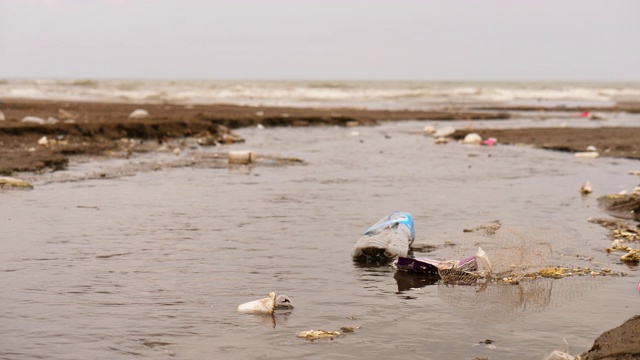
(489,142)
(638,286)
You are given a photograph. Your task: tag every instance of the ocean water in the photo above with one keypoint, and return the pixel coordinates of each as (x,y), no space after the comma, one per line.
(361,94)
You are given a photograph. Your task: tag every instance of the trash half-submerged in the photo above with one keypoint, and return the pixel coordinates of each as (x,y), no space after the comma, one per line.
(266,306)
(386,240)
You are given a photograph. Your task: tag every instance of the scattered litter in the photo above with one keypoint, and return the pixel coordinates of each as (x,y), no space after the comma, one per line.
(241,157)
(429,130)
(632,256)
(591,148)
(444,132)
(464,271)
(385,240)
(267,305)
(260,126)
(139,114)
(488,344)
(10,182)
(33,119)
(318,334)
(2,118)
(560,354)
(587,155)
(43,141)
(349,329)
(472,139)
(586,188)
(489,141)
(593,116)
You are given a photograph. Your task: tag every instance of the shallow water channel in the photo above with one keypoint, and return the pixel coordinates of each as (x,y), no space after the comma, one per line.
(153,265)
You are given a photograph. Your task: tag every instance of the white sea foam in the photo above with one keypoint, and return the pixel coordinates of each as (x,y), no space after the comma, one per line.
(392,95)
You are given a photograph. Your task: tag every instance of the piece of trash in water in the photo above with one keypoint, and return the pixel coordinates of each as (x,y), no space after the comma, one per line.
(638,286)
(444,132)
(587,155)
(586,188)
(267,305)
(464,271)
(349,329)
(489,141)
(488,343)
(10,182)
(33,119)
(241,157)
(472,139)
(429,130)
(318,334)
(385,240)
(560,354)
(139,114)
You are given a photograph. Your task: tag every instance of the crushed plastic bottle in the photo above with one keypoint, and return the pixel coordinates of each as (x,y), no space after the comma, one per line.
(386,240)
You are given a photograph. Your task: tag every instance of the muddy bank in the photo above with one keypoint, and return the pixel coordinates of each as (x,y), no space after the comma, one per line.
(95,128)
(620,343)
(619,142)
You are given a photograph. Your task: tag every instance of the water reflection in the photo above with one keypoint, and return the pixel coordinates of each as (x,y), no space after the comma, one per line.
(270,320)
(407,281)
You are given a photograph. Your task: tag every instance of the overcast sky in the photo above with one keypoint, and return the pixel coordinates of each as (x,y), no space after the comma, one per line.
(541,40)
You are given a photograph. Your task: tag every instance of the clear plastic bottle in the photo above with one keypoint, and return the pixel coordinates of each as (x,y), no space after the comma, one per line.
(386,240)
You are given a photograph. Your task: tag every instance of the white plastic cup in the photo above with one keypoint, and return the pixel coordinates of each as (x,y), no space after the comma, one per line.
(241,157)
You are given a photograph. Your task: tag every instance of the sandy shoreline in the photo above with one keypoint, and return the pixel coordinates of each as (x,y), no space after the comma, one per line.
(97,128)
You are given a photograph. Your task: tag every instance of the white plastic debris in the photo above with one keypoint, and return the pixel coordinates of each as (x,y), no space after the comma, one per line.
(586,188)
(43,141)
(560,354)
(241,157)
(472,139)
(429,130)
(591,148)
(139,114)
(587,155)
(444,132)
(267,305)
(2,118)
(10,182)
(33,119)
